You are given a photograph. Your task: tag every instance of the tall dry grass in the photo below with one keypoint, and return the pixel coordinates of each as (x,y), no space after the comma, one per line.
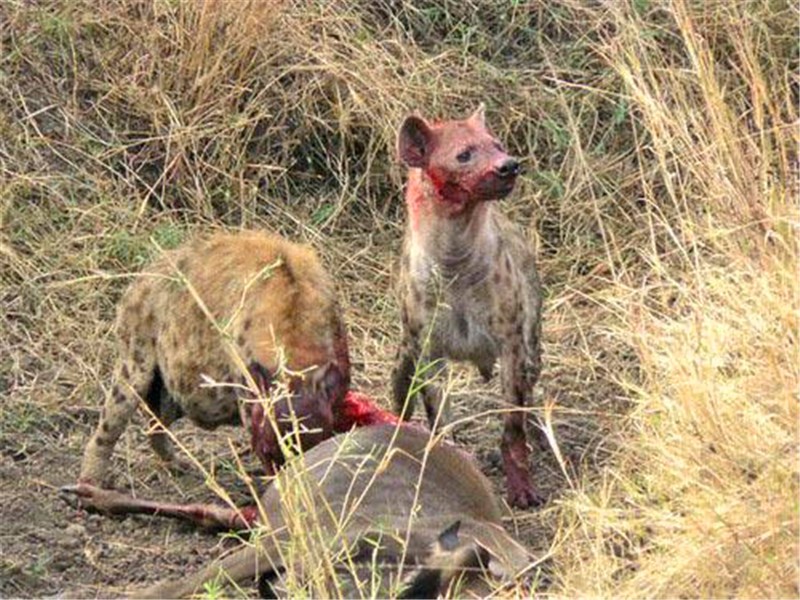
(702,500)
(660,140)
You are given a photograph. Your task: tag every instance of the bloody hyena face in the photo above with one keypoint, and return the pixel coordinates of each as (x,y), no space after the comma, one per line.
(462,159)
(313,400)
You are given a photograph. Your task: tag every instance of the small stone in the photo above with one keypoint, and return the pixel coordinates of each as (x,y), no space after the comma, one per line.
(94,522)
(68,543)
(75,530)
(60,564)
(494,459)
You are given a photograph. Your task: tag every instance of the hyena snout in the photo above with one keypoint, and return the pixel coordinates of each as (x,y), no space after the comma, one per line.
(508,169)
(307,410)
(500,180)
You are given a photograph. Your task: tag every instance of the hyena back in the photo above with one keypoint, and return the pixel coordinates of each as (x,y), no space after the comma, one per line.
(469,289)
(208,308)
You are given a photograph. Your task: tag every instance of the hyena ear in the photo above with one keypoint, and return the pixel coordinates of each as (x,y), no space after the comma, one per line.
(414,142)
(261,376)
(479,116)
(329,381)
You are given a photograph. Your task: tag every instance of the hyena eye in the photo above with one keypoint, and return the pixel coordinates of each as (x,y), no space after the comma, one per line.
(465,156)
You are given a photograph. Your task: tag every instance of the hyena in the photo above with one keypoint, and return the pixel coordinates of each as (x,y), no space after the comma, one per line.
(384,497)
(469,288)
(223,307)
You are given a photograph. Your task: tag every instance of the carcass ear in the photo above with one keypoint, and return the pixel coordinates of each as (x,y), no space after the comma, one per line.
(425,583)
(448,539)
(498,570)
(261,377)
(414,142)
(479,116)
(265,588)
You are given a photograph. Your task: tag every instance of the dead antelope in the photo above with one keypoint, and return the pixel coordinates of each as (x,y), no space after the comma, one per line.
(378,500)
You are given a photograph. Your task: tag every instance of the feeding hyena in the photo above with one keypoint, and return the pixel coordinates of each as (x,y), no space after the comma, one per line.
(221,307)
(468,281)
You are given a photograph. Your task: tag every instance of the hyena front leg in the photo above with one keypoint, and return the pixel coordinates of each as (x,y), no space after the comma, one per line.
(414,374)
(518,391)
(404,396)
(437,403)
(132,381)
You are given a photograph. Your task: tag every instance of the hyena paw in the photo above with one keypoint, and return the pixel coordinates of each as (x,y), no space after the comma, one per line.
(177,465)
(523,494)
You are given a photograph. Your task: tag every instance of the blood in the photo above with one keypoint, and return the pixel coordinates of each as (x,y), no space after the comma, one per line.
(429,195)
(358,409)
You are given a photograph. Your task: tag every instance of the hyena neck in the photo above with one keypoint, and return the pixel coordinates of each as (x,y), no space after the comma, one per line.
(460,242)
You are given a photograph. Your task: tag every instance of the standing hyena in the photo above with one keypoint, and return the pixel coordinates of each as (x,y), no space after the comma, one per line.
(468,282)
(210,308)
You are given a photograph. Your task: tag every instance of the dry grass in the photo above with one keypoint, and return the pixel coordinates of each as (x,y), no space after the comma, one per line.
(661,147)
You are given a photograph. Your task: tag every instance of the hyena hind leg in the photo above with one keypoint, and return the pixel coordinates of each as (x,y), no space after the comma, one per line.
(165,412)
